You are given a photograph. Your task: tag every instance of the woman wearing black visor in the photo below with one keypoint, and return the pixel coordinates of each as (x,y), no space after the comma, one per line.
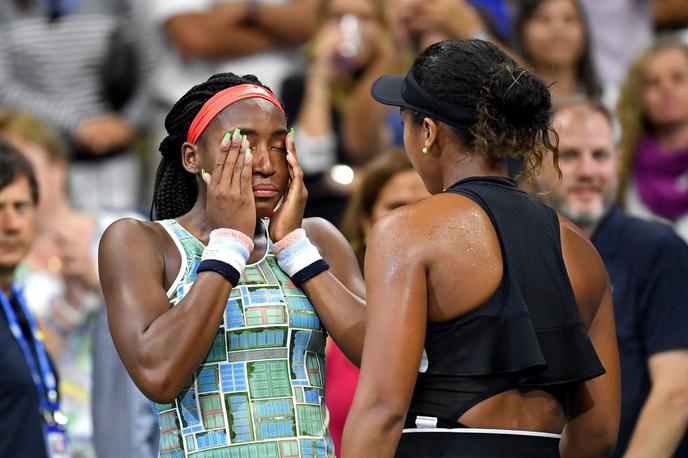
(489,330)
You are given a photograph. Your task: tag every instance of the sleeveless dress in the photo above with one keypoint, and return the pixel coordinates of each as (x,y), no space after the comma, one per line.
(260,392)
(528,335)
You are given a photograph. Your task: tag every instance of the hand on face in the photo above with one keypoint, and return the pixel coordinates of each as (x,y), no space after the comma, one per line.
(290,215)
(230,202)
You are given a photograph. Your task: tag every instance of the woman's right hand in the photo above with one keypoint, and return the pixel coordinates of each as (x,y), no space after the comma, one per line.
(326,43)
(230,203)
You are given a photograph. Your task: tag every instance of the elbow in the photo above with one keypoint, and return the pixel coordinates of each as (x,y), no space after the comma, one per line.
(193,45)
(189,41)
(157,380)
(158,388)
(602,441)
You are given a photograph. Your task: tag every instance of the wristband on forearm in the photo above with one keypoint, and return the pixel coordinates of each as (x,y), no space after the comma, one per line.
(226,253)
(298,257)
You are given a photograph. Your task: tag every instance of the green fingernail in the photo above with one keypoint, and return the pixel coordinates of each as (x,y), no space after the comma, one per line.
(226,138)
(237,133)
(202,172)
(291,132)
(248,151)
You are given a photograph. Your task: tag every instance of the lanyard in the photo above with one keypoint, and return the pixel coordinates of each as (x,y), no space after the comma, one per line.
(45,381)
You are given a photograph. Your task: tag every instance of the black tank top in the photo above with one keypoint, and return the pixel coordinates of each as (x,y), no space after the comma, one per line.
(529,334)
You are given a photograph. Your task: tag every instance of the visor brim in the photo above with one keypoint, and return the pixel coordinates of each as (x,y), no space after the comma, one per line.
(387,90)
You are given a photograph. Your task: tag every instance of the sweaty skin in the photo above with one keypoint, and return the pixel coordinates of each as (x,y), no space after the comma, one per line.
(160,345)
(412,278)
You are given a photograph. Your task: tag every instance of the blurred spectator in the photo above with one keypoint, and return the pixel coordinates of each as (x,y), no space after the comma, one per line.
(653,110)
(619,30)
(553,37)
(199,38)
(389,182)
(82,66)
(368,127)
(648,266)
(349,46)
(670,14)
(61,281)
(28,391)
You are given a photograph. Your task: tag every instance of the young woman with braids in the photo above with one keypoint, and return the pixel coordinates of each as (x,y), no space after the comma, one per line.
(212,305)
(489,323)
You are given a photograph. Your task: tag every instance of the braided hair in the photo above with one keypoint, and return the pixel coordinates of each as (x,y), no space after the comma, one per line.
(176,190)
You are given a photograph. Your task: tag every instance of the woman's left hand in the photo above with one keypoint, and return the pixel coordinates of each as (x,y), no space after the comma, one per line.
(290,214)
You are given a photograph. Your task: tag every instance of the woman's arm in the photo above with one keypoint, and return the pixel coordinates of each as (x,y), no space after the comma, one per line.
(595,408)
(593,420)
(159,345)
(338,294)
(395,334)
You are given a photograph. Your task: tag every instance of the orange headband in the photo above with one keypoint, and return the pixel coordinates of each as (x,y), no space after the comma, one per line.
(222,100)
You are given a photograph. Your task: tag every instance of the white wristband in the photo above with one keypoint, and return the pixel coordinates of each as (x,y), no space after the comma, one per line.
(298,257)
(229,246)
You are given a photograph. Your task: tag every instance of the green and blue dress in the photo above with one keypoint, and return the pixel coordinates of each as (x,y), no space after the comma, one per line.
(260,392)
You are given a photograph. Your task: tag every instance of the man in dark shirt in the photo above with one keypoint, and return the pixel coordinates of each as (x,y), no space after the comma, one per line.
(648,268)
(21,425)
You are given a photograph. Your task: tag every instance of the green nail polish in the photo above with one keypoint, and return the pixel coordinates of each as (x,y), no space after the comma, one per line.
(248,151)
(202,172)
(237,133)
(226,138)
(291,132)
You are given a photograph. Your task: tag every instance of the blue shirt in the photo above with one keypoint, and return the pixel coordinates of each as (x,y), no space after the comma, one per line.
(648,268)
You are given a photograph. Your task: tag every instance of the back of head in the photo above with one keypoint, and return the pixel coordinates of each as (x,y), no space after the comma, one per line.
(176,189)
(13,166)
(18,125)
(512,108)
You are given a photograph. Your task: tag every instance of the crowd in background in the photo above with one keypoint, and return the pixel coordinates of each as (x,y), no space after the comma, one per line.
(85,86)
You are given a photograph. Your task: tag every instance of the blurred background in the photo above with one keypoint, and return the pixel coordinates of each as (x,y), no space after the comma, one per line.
(85,86)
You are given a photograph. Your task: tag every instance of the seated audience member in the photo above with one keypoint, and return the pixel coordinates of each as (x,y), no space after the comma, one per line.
(553,38)
(83,67)
(648,266)
(389,182)
(28,390)
(653,110)
(60,278)
(349,50)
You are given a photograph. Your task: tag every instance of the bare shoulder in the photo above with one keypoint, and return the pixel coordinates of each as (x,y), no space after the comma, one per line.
(436,221)
(318,228)
(130,237)
(585,268)
(127,229)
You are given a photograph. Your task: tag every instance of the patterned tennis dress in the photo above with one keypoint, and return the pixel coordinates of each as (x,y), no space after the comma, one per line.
(260,392)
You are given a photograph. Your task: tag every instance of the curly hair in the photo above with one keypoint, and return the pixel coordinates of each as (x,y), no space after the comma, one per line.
(513,107)
(176,190)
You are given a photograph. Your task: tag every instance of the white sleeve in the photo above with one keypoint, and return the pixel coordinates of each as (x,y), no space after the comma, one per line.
(316,154)
(161,10)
